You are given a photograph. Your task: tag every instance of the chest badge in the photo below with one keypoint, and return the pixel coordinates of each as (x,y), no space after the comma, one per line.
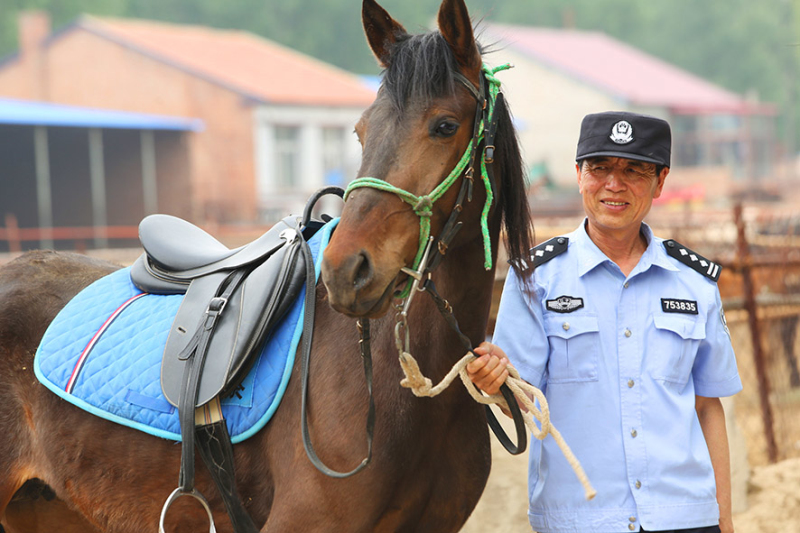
(565,304)
(673,305)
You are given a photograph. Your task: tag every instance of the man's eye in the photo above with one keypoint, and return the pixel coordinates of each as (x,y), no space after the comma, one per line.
(447,129)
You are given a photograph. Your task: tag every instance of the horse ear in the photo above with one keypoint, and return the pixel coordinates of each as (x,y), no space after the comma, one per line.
(381,29)
(456,28)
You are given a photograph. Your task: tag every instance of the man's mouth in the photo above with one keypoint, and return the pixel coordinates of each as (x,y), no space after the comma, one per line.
(613,203)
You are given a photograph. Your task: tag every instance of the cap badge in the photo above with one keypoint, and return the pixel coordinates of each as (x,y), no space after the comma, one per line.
(622,132)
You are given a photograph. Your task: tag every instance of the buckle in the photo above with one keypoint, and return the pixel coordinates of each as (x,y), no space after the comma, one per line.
(217,304)
(489,154)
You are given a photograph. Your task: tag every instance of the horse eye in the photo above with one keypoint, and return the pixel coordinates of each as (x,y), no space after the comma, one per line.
(447,129)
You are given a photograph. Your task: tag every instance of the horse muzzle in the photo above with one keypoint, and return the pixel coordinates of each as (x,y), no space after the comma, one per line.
(355,286)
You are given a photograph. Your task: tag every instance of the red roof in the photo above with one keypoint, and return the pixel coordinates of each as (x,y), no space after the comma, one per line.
(238,60)
(617,68)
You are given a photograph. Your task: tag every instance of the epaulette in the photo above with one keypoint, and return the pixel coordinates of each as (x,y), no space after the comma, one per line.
(545,252)
(704,266)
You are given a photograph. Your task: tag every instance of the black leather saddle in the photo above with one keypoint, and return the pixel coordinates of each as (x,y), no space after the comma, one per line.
(182,258)
(233,298)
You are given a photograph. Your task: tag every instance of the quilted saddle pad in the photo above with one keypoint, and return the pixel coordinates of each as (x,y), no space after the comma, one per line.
(103,353)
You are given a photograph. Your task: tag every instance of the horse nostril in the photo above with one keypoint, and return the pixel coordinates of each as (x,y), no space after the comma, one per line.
(363,271)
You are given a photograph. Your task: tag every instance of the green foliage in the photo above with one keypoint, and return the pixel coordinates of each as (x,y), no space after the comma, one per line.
(745,46)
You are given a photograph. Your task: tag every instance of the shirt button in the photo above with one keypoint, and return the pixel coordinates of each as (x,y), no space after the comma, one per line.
(638,484)
(631,527)
(634,433)
(631,383)
(628,333)
(632,519)
(566,326)
(625,285)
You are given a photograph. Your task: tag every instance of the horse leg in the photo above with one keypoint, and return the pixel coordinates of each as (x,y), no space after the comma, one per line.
(15,421)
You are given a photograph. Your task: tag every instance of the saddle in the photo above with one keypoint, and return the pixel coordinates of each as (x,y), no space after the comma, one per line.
(233,298)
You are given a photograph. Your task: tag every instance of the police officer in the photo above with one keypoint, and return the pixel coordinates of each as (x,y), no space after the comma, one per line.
(624,332)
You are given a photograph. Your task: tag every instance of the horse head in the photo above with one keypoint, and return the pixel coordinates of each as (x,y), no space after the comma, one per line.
(420,143)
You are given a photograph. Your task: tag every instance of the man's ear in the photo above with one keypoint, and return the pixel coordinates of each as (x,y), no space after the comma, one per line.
(661,179)
(381,29)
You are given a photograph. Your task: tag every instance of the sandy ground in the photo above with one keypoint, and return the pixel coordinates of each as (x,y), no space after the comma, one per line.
(772,506)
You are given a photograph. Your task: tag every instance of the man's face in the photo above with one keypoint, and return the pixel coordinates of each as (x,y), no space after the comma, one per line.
(617,192)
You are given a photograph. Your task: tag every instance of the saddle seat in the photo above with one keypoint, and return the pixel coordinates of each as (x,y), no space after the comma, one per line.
(185,251)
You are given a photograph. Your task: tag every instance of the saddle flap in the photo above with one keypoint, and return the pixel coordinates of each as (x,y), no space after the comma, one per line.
(249,314)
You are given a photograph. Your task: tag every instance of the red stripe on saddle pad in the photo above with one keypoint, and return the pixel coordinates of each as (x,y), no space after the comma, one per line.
(82,359)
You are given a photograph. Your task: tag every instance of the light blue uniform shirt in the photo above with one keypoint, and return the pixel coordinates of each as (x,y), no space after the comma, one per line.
(620,374)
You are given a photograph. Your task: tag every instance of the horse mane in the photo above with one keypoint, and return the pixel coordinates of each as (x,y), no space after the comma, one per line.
(421,68)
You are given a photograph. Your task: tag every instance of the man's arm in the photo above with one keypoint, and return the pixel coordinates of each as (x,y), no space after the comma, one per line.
(712,420)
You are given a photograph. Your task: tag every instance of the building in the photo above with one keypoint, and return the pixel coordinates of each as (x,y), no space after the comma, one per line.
(277,124)
(77,176)
(560,75)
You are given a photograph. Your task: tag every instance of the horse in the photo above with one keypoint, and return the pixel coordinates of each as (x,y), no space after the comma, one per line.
(430,457)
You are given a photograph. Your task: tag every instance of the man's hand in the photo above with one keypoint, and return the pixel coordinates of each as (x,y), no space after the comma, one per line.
(488,372)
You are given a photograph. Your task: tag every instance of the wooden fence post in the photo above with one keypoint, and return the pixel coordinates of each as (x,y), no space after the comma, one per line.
(755,334)
(12,233)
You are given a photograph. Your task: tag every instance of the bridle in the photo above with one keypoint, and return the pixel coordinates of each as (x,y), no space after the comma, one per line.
(490,103)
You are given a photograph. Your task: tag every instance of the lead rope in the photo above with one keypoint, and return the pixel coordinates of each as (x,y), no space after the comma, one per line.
(422,386)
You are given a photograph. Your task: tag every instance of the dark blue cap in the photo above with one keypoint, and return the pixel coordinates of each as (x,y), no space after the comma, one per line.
(624,134)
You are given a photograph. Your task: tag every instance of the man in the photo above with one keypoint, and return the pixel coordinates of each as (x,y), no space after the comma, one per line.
(625,334)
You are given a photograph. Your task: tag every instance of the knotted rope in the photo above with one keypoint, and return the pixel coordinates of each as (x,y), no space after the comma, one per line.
(422,386)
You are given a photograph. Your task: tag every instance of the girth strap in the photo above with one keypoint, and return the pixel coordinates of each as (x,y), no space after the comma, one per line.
(214,445)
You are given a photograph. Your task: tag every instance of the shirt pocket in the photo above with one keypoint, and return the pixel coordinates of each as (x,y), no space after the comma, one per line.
(673,347)
(574,348)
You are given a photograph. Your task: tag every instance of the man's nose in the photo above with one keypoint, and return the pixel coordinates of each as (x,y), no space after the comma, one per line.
(614,181)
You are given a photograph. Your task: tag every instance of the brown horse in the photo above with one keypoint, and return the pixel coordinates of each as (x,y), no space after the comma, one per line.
(62,469)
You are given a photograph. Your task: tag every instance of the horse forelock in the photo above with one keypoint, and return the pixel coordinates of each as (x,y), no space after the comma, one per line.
(421,69)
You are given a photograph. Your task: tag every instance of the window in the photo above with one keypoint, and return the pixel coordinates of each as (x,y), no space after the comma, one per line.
(333,156)
(287,157)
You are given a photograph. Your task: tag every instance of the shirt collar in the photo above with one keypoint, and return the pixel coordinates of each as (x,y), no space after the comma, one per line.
(590,256)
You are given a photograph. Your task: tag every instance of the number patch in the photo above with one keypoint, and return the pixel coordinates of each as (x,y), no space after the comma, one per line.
(671,305)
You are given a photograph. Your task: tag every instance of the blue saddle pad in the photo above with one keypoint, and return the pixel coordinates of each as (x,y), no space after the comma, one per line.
(103,353)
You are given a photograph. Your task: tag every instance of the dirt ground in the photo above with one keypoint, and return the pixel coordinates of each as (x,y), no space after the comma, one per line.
(773,498)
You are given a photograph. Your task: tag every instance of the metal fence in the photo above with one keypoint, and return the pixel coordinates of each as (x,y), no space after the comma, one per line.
(760,287)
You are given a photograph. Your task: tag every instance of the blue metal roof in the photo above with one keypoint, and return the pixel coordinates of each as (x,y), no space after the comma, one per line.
(32,113)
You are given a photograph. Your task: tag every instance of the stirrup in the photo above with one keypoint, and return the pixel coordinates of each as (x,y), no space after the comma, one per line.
(177,493)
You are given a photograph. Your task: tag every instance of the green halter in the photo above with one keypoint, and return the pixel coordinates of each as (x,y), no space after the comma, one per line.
(423,204)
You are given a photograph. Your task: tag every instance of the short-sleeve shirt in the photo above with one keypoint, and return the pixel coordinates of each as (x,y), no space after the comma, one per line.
(620,360)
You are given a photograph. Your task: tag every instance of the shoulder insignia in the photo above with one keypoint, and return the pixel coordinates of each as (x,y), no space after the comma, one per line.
(704,266)
(545,252)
